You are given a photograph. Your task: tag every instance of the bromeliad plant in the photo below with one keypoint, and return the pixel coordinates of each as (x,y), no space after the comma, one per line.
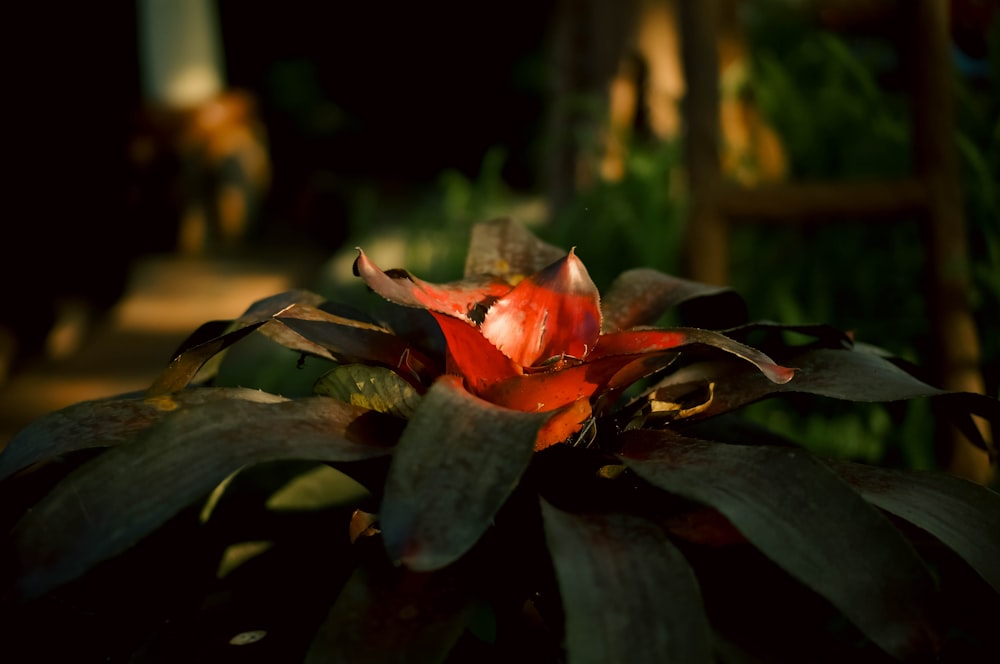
(522,468)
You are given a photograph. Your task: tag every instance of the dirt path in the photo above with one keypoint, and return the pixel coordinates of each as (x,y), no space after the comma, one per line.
(167,298)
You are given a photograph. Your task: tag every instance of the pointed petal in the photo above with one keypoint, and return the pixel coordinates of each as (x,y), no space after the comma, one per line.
(458,299)
(471,356)
(554,312)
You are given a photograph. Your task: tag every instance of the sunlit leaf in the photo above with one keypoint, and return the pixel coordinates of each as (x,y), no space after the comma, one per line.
(565,422)
(808,521)
(964,515)
(371,387)
(106,423)
(470,355)
(456,299)
(111,502)
(394,616)
(549,390)
(318,488)
(450,475)
(629,595)
(554,312)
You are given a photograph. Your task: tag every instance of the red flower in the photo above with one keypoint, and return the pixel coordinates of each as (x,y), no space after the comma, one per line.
(537,345)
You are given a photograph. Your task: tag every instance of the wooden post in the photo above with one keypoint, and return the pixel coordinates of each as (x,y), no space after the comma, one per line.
(180,51)
(954,339)
(706,248)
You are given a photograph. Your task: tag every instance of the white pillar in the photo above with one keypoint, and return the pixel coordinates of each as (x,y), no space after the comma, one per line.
(180,52)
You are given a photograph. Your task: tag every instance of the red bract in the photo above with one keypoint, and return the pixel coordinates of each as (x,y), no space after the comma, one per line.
(538,346)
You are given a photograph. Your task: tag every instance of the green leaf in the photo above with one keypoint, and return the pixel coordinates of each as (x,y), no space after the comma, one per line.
(319,488)
(106,423)
(111,502)
(809,522)
(376,388)
(964,515)
(456,464)
(394,616)
(629,594)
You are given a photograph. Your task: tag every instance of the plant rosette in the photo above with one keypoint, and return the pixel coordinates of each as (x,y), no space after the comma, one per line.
(539,467)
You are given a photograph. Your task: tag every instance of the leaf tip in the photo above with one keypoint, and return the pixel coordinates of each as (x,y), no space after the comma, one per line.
(779,374)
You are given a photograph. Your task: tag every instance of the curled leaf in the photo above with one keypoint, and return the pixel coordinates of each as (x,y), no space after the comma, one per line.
(459,299)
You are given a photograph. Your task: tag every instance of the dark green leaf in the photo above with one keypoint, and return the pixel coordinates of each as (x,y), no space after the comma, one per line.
(345,340)
(106,423)
(456,464)
(840,374)
(808,521)
(629,594)
(393,616)
(964,515)
(185,366)
(111,502)
(825,336)
(371,387)
(852,375)
(643,295)
(197,350)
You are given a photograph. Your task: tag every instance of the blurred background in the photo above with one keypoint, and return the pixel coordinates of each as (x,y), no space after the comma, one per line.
(236,148)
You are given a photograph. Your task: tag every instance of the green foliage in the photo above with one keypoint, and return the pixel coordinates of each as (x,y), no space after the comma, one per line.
(635,221)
